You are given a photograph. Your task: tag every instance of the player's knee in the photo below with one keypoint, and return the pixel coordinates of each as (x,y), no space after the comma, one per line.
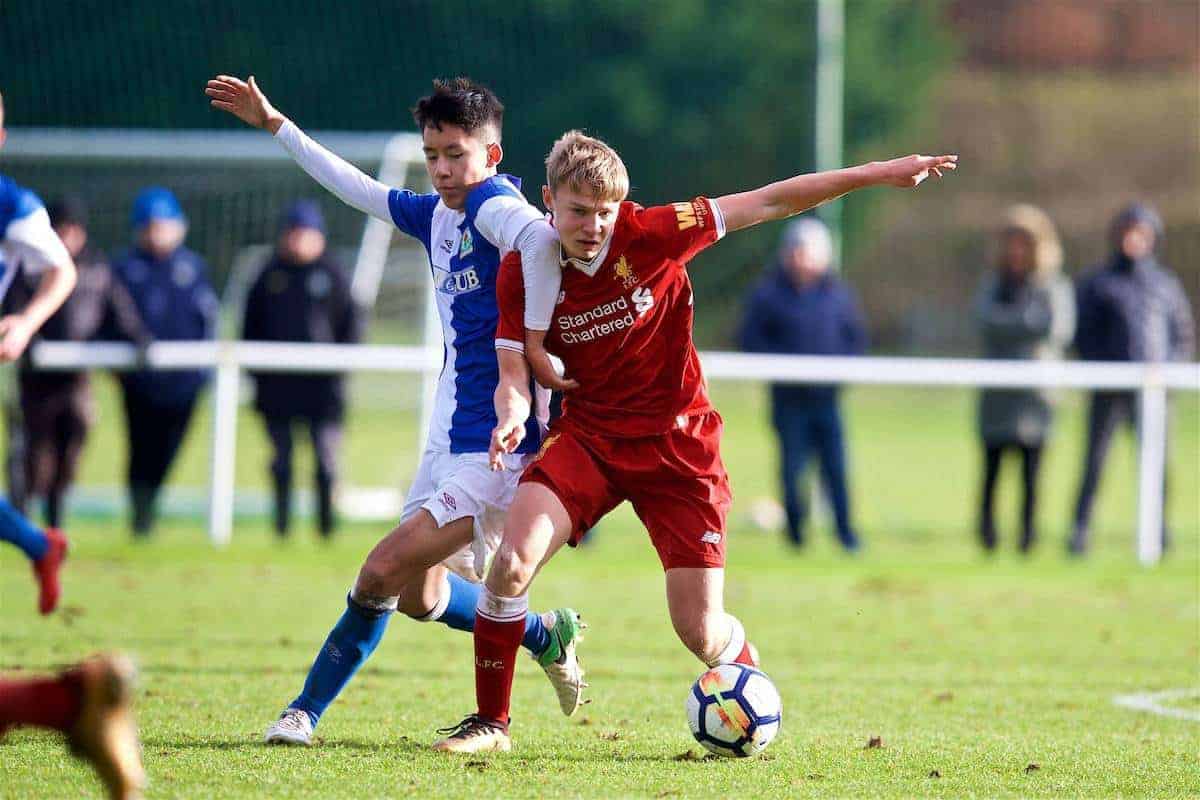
(511,572)
(373,577)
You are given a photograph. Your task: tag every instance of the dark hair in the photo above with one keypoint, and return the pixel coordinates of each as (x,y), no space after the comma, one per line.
(68,210)
(461,102)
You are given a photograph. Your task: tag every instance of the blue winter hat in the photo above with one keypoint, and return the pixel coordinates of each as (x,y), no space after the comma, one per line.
(1136,214)
(155,203)
(302,214)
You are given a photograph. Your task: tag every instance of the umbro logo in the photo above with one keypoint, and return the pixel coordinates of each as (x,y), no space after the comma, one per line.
(711,537)
(448,501)
(448,245)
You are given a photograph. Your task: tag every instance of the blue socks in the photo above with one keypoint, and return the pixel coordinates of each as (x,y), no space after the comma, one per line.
(460,614)
(21,532)
(351,641)
(359,631)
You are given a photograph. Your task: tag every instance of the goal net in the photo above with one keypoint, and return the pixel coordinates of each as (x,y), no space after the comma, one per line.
(233,185)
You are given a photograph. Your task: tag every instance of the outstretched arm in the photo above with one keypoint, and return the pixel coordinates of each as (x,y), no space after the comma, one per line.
(349,184)
(802,192)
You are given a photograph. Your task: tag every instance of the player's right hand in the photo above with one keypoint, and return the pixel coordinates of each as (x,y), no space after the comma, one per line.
(245,101)
(15,333)
(506,438)
(544,372)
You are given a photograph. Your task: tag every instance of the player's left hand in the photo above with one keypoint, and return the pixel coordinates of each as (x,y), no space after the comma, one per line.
(245,101)
(15,333)
(908,172)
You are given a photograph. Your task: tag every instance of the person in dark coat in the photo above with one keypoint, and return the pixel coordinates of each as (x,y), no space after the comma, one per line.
(1025,309)
(56,407)
(799,307)
(302,295)
(1130,309)
(171,288)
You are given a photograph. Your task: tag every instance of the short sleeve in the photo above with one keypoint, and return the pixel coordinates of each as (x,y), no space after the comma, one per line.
(412,212)
(31,239)
(502,217)
(684,229)
(510,300)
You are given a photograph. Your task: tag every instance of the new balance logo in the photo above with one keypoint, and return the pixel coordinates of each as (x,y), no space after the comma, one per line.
(487,663)
(711,537)
(686,215)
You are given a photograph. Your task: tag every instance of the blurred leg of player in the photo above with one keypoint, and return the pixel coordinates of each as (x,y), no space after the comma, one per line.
(404,573)
(90,704)
(45,550)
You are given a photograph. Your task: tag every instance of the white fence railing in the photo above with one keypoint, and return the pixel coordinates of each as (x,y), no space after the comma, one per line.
(229,358)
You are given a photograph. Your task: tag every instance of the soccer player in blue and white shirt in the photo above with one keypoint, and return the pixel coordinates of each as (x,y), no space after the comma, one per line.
(26,239)
(454,511)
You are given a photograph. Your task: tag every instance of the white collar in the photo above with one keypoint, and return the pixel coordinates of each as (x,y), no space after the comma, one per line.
(589,268)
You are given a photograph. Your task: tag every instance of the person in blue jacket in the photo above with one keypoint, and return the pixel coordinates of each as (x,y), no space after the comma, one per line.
(1131,308)
(799,307)
(170,286)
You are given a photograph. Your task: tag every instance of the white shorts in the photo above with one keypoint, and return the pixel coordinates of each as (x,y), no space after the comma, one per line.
(451,486)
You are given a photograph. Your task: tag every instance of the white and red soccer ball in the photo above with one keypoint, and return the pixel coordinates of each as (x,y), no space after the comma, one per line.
(734,710)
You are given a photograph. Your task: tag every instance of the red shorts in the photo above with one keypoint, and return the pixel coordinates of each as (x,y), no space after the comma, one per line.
(675,481)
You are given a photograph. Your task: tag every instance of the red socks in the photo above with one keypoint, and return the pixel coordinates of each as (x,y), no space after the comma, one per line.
(45,702)
(499,628)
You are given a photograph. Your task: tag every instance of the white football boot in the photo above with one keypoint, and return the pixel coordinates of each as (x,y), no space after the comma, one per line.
(560,662)
(294,726)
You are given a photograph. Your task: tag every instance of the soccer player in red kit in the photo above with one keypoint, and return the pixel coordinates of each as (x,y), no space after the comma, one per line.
(640,427)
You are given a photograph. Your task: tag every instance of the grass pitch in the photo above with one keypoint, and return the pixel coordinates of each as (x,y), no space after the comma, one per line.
(979,676)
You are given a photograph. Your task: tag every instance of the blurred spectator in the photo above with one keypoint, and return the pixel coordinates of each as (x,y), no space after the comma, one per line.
(800,308)
(56,407)
(302,295)
(1025,309)
(171,288)
(1130,309)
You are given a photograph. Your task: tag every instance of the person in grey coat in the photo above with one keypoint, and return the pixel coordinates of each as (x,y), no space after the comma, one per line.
(1025,309)
(1131,308)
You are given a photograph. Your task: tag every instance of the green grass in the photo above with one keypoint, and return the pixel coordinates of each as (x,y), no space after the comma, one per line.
(971,667)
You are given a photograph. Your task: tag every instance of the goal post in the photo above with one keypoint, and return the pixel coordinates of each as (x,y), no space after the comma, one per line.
(233,185)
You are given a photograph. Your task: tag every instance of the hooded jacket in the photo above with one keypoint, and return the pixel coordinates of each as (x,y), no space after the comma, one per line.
(1133,310)
(821,319)
(1029,319)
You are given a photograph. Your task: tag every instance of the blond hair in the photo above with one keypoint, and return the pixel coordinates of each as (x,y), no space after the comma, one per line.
(1037,225)
(588,166)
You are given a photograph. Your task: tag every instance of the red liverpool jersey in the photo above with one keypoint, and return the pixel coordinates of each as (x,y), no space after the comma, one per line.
(624,331)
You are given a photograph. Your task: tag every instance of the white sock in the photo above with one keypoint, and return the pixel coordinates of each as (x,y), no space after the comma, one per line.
(502,609)
(384,605)
(737,640)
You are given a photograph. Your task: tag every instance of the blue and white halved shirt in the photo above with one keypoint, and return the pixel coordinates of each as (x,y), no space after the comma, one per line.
(26,238)
(464,264)
(464,250)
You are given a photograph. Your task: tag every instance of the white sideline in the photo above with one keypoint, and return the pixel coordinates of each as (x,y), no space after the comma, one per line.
(1150,702)
(230,358)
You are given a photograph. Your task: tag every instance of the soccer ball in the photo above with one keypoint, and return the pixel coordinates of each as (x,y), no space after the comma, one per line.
(734,710)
